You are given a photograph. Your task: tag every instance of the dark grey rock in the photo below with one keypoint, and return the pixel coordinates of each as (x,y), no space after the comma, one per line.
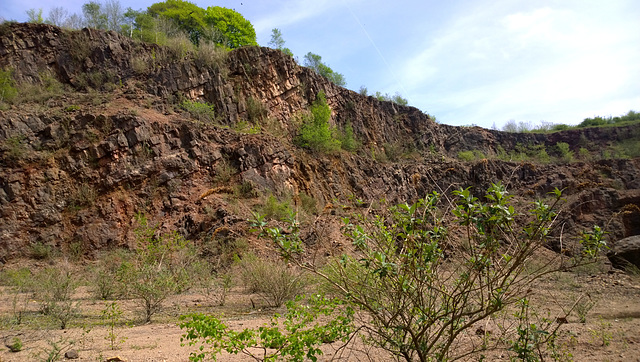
(71,354)
(625,251)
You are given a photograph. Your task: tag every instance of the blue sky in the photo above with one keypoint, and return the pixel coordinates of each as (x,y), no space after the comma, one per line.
(481,62)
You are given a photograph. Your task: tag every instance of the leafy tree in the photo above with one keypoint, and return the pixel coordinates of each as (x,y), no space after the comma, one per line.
(425,275)
(315,132)
(348,140)
(186,16)
(277,42)
(146,27)
(304,329)
(35,16)
(57,16)
(94,16)
(161,267)
(129,21)
(398,99)
(74,21)
(564,151)
(314,61)
(114,15)
(631,116)
(234,30)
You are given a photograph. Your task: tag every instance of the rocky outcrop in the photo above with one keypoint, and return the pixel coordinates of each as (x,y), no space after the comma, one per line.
(78,168)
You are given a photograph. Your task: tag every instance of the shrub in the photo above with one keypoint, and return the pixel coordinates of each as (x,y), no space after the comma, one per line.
(308,204)
(517,127)
(48,87)
(584,154)
(469,156)
(560,127)
(179,46)
(397,99)
(256,110)
(160,267)
(15,345)
(152,283)
(629,148)
(466,156)
(564,152)
(84,195)
(273,281)
(347,139)
(16,149)
(274,209)
(54,288)
(102,284)
(212,56)
(246,190)
(216,287)
(202,112)
(315,132)
(19,283)
(109,276)
(314,61)
(40,251)
(8,89)
(542,155)
(221,249)
(583,306)
(304,329)
(140,64)
(223,172)
(246,127)
(419,300)
(112,316)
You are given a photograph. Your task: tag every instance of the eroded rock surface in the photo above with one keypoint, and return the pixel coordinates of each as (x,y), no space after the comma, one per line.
(79,167)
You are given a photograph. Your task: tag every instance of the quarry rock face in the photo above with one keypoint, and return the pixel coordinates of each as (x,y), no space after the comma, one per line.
(77,167)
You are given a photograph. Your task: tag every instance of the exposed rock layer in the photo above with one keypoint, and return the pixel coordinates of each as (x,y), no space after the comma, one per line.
(77,170)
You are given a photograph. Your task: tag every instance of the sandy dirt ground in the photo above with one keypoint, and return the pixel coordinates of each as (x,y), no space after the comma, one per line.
(611,331)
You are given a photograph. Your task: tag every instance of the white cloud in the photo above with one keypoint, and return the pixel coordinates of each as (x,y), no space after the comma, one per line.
(294,12)
(492,64)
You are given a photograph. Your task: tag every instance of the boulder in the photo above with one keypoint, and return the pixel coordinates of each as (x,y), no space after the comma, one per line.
(625,251)
(71,354)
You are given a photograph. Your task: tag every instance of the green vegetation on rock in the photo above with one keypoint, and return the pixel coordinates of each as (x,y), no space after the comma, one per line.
(418,301)
(314,62)
(315,132)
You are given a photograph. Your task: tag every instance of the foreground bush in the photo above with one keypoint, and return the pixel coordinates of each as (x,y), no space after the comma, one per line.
(426,275)
(295,336)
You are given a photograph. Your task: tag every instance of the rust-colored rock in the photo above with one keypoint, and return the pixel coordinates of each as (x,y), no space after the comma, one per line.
(85,164)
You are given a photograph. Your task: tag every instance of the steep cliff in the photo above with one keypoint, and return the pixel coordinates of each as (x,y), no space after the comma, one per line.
(99,136)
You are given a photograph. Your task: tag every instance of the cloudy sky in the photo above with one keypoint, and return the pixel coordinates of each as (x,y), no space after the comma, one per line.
(481,62)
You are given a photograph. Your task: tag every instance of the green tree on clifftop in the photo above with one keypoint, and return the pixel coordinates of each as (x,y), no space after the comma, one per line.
(314,61)
(186,16)
(277,42)
(229,28)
